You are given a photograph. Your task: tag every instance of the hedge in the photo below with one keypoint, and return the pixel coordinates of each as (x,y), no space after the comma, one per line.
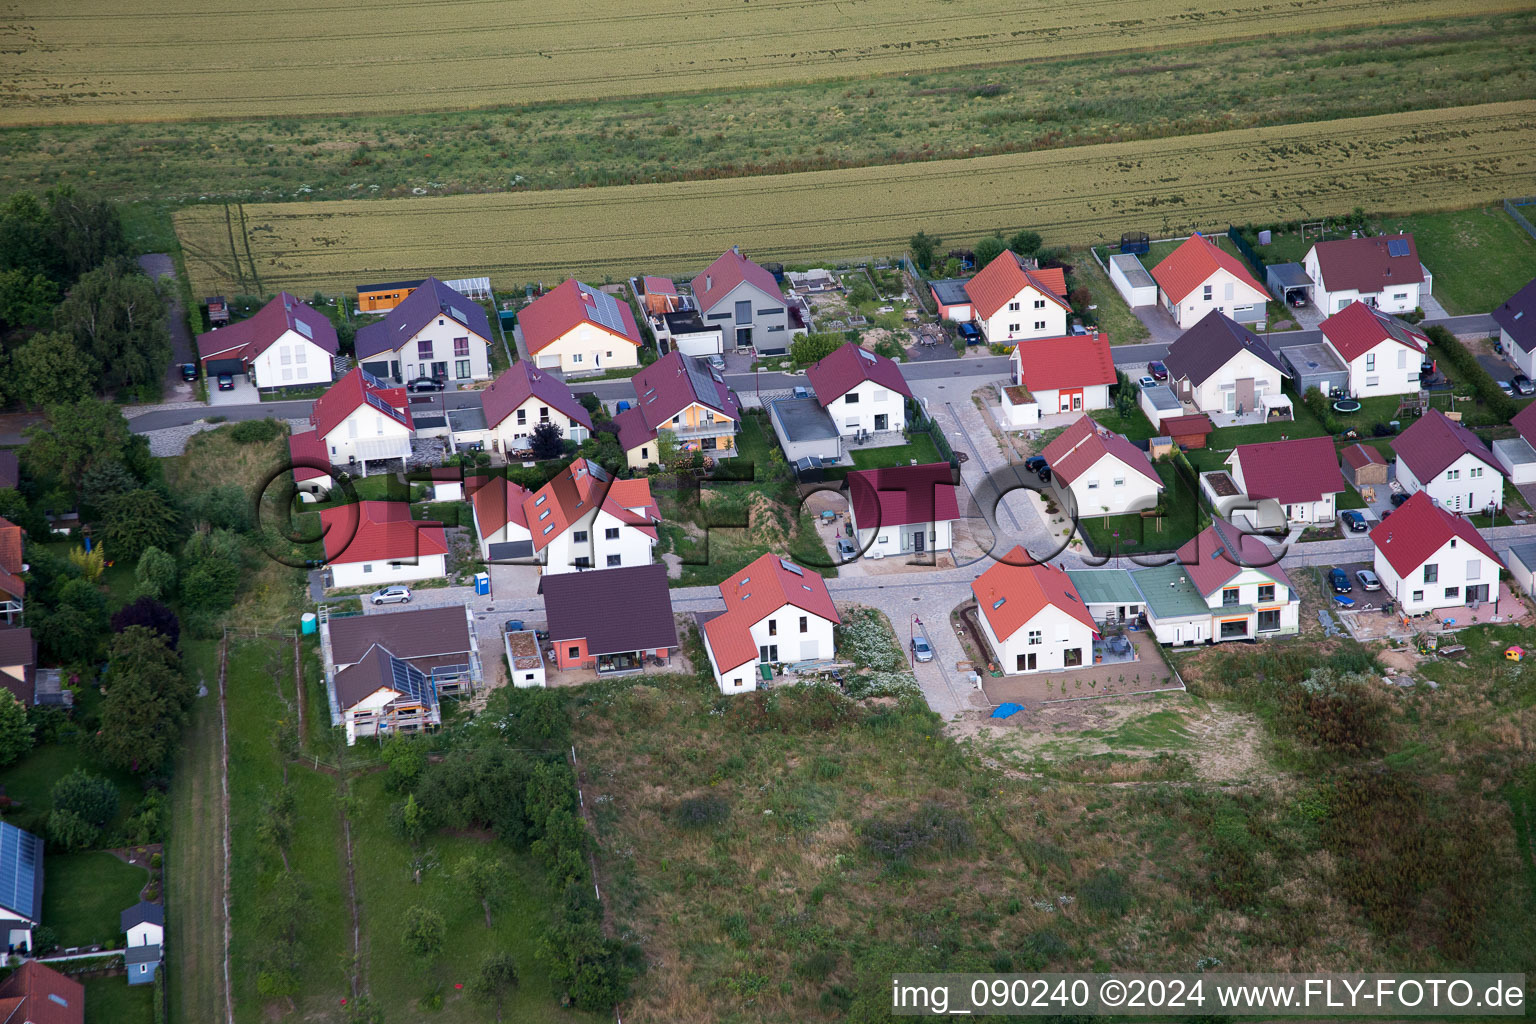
(1500,405)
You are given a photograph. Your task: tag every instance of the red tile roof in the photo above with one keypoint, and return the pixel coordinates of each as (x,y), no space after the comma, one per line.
(1363,265)
(1183,426)
(1301,469)
(1357,328)
(659,286)
(1080,447)
(376,531)
(903,495)
(1054,364)
(1358,456)
(250,338)
(1220,552)
(726,273)
(552,315)
(835,375)
(756,592)
(42,996)
(1011,593)
(497,502)
(1429,446)
(1192,264)
(1005,277)
(578,489)
(1419,529)
(352,391)
(1525,423)
(306,451)
(522,382)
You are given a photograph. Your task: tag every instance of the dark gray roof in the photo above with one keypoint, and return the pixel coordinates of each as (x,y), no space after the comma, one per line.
(10,472)
(431,299)
(1209,345)
(387,287)
(143,912)
(142,954)
(951,291)
(509,550)
(1517,317)
(1287,275)
(410,633)
(803,419)
(21,873)
(378,669)
(614,610)
(687,321)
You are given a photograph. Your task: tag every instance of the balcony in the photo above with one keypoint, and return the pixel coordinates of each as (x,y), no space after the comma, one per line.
(719,428)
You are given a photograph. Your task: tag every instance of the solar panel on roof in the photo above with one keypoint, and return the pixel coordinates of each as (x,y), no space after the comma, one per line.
(18,870)
(409,679)
(791,567)
(1397,247)
(303,328)
(699,378)
(370,380)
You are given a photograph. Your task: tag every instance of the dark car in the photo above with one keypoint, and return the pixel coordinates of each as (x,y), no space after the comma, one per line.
(1044,474)
(189,371)
(1034,464)
(425,384)
(1523,384)
(1340,580)
(1398,497)
(1354,520)
(1158,371)
(226,382)
(971,333)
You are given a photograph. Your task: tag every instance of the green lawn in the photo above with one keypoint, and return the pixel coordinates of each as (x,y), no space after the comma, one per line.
(113,1001)
(919,446)
(1114,316)
(1137,534)
(117,578)
(30,782)
(1136,426)
(1478,257)
(85,893)
(1289,247)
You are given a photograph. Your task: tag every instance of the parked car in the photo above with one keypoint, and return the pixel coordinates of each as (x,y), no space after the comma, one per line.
(1158,370)
(1523,384)
(1298,299)
(920,649)
(971,333)
(189,371)
(1505,386)
(1146,382)
(1077,329)
(801,392)
(226,382)
(391,595)
(1044,474)
(717,362)
(1368,580)
(845,548)
(1035,463)
(425,384)
(1398,497)
(1340,580)
(1354,520)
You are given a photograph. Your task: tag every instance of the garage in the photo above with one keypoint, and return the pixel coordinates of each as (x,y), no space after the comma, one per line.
(805,430)
(1315,366)
(214,367)
(1132,281)
(381,368)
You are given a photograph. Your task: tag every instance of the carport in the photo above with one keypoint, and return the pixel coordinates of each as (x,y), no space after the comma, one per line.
(1288,281)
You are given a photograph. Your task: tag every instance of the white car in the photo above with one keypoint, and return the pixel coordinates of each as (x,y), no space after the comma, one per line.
(920,649)
(1146,382)
(391,595)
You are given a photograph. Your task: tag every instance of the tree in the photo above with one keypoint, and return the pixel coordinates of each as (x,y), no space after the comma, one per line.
(550,789)
(406,759)
(1026,243)
(90,564)
(221,508)
(666,448)
(117,317)
(497,977)
(155,573)
(26,238)
(137,520)
(988,249)
(210,585)
(15,732)
(810,348)
(87,230)
(68,831)
(26,299)
(923,246)
(50,369)
(101,483)
(280,956)
(146,705)
(276,825)
(547,441)
(152,615)
(423,933)
(413,820)
(74,629)
(92,797)
(485,880)
(76,436)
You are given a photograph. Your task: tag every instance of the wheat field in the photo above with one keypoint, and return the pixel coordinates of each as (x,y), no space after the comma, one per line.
(170,60)
(1400,162)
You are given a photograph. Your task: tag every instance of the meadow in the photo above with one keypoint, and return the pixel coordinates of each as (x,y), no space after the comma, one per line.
(134,60)
(1423,160)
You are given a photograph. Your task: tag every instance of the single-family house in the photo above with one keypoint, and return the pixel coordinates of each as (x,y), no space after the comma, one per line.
(576,328)
(1224,584)
(1300,475)
(21,887)
(901,510)
(863,392)
(1384,272)
(434,332)
(141,964)
(382,695)
(687,332)
(745,300)
(13,563)
(1438,455)
(359,420)
(1364,466)
(37,994)
(585,519)
(1428,558)
(1517,328)
(311,465)
(381,298)
(377,543)
(1103,473)
(686,396)
(144,924)
(775,613)
(386,672)
(1012,299)
(1032,616)
(1220,366)
(522,398)
(286,344)
(1067,374)
(953,302)
(500,523)
(1200,278)
(1383,353)
(609,620)
(1518,454)
(18,664)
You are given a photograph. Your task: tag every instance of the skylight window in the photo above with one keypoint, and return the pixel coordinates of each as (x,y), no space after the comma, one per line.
(551,526)
(998,603)
(541,499)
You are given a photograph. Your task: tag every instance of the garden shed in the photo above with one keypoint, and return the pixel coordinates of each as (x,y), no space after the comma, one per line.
(1364,466)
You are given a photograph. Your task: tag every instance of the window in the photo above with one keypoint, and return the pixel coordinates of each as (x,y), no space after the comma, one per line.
(522,417)
(1013,328)
(1209,294)
(611,533)
(580,536)
(775,311)
(1453,593)
(1228,293)
(1370,362)
(744,312)
(573,652)
(1402,358)
(461,346)
(424,349)
(1269,621)
(300,354)
(1093,485)
(1035,639)
(1474,569)
(1039,325)
(1399,295)
(1452,474)
(1236,628)
(1119,481)
(367,567)
(576,358)
(613,560)
(1371,382)
(645,453)
(773,627)
(1266,592)
(1431,572)
(1229,597)
(287,373)
(1475,472)
(1013,307)
(1072,658)
(805,624)
(851,398)
(608,355)
(285,355)
(1418,595)
(461,369)
(1039,303)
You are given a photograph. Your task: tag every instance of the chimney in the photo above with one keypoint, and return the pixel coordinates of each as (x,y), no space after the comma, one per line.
(736,249)
(709,281)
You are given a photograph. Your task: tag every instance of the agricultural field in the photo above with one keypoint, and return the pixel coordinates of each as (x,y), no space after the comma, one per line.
(1424,160)
(140,61)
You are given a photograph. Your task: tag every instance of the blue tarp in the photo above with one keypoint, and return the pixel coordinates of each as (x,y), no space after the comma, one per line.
(1004,710)
(1346,602)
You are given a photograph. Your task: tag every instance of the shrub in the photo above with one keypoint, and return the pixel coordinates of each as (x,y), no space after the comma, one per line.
(933,830)
(1106,890)
(1317,404)
(255,431)
(701,812)
(1500,405)
(92,797)
(1336,711)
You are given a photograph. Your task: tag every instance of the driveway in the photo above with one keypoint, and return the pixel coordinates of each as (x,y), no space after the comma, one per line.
(1162,330)
(160,267)
(244,393)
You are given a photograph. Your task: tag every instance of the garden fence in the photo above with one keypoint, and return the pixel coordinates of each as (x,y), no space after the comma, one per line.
(1510,208)
(1247,250)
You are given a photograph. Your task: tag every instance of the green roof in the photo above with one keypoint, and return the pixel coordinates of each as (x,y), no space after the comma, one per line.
(1169,593)
(1104,586)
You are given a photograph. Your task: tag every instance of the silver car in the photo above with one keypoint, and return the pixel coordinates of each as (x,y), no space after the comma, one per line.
(920,649)
(1368,580)
(391,595)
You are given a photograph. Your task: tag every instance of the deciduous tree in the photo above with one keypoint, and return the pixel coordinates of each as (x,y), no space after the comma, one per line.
(49,369)
(423,933)
(923,246)
(496,978)
(146,705)
(117,316)
(15,732)
(155,574)
(547,441)
(483,878)
(76,436)
(137,520)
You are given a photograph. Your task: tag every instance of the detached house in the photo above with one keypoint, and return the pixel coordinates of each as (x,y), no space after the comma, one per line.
(576,328)
(1301,476)
(1033,617)
(1451,464)
(376,543)
(36,994)
(1218,365)
(1066,374)
(1428,558)
(685,395)
(860,390)
(1383,353)
(500,522)
(1013,300)
(585,519)
(1224,585)
(610,620)
(521,399)
(386,672)
(21,887)
(287,344)
(1103,472)
(434,332)
(1383,272)
(746,301)
(775,612)
(1517,328)
(901,510)
(1200,278)
(359,420)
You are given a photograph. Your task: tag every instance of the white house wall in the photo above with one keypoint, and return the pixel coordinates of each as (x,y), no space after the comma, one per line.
(1228,294)
(816,644)
(1467,485)
(1211,396)
(1038,316)
(1110,487)
(291,361)
(383,573)
(1402,298)
(1391,368)
(769,322)
(1059,633)
(510,435)
(1525,361)
(870,400)
(1456,568)
(368,434)
(440,332)
(890,541)
(588,348)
